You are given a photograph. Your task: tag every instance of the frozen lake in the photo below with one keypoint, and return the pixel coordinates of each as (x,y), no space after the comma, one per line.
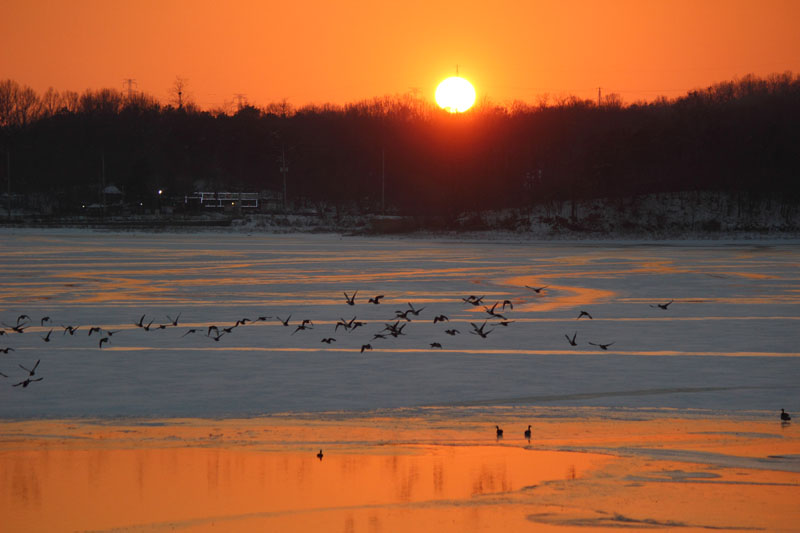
(728,342)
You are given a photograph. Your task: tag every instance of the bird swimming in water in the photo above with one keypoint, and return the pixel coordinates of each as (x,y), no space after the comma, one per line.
(785,416)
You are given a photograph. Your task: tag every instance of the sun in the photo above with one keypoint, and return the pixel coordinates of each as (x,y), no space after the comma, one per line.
(455,95)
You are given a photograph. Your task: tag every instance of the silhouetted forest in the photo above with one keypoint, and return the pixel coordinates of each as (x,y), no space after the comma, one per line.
(739,136)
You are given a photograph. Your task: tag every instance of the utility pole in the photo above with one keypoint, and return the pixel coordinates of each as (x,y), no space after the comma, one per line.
(103,180)
(284,171)
(8,176)
(383,181)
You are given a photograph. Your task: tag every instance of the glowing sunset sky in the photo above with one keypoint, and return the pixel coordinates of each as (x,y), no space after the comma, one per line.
(344,51)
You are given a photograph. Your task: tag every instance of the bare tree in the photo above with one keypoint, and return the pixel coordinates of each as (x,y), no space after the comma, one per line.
(52,102)
(19,105)
(179,96)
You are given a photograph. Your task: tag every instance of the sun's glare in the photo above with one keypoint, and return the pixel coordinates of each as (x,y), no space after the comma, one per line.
(455,94)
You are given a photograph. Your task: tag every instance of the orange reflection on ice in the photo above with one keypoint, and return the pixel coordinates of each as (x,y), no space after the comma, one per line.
(50,489)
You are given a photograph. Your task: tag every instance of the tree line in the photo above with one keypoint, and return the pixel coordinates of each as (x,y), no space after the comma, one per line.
(402,152)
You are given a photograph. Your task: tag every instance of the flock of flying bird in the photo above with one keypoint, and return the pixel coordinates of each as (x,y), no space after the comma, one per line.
(392,329)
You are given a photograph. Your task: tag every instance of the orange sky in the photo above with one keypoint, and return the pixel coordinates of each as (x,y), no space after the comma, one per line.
(343,51)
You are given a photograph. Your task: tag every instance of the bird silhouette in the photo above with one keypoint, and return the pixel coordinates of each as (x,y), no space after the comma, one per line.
(785,416)
(509,304)
(528,433)
(1,374)
(262,318)
(537,290)
(583,314)
(375,300)
(20,318)
(440,318)
(31,371)
(100,344)
(147,327)
(319,455)
(492,311)
(474,300)
(351,300)
(140,323)
(27,382)
(662,306)
(43,320)
(210,329)
(572,340)
(93,329)
(479,330)
(218,337)
(284,322)
(174,321)
(193,330)
(328,340)
(301,327)
(70,329)
(499,432)
(46,338)
(602,346)
(243,321)
(413,311)
(435,345)
(366,347)
(504,323)
(452,332)
(6,350)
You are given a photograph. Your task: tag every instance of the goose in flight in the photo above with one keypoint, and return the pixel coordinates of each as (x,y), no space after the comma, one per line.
(31,371)
(452,332)
(174,321)
(302,327)
(210,329)
(43,320)
(479,330)
(319,455)
(328,340)
(492,311)
(46,338)
(27,382)
(193,330)
(140,323)
(507,303)
(365,347)
(440,318)
(572,340)
(435,345)
(413,311)
(351,300)
(6,350)
(375,300)
(473,300)
(70,329)
(284,322)
(662,306)
(583,314)
(602,346)
(93,329)
(100,344)
(537,290)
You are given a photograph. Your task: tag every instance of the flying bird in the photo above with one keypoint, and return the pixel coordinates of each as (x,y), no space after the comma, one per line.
(602,346)
(27,382)
(70,329)
(31,371)
(584,313)
(662,306)
(537,290)
(174,321)
(6,350)
(452,332)
(440,318)
(328,340)
(100,344)
(93,329)
(140,323)
(284,322)
(375,300)
(492,311)
(46,338)
(351,300)
(193,330)
(44,319)
(479,330)
(435,345)
(413,311)
(474,300)
(210,328)
(319,455)
(572,340)
(366,347)
(507,303)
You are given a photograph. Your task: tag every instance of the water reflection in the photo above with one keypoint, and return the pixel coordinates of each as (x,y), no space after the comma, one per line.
(62,489)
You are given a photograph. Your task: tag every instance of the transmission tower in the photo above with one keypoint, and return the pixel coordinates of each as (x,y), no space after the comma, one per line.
(129,83)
